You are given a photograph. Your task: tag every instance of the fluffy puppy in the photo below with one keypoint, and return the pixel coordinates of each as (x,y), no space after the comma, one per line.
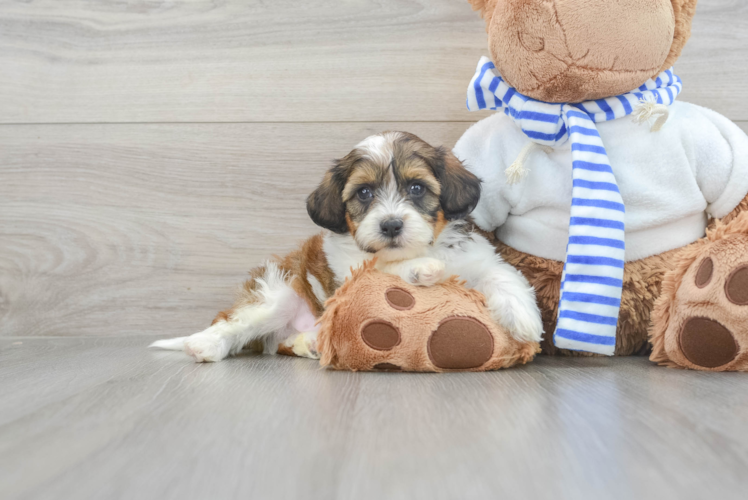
(393,197)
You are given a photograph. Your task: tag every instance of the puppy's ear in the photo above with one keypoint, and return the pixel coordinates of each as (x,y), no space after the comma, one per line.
(325,205)
(460,188)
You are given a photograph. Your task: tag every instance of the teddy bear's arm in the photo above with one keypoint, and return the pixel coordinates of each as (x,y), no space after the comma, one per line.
(720,161)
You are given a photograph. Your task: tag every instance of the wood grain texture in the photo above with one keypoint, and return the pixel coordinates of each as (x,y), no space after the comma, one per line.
(131,229)
(105,418)
(78,61)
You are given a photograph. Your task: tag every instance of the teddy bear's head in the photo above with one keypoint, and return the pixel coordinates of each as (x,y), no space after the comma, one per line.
(578,50)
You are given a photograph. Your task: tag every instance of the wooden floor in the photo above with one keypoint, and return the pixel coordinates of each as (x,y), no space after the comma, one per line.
(93,418)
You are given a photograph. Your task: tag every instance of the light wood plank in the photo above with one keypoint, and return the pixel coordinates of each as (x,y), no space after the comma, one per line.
(318,60)
(105,418)
(135,229)
(714,63)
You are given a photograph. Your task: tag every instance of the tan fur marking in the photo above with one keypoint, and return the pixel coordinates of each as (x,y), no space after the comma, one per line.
(351,225)
(440,224)
(309,259)
(363,174)
(412,172)
(222,316)
(285,350)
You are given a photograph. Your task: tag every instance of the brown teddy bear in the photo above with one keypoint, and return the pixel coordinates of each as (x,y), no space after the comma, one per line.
(672,168)
(601,195)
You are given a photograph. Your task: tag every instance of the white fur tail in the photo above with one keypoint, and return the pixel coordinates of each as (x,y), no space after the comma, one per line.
(176,344)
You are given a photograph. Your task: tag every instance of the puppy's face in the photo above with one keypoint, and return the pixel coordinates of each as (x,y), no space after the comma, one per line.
(394,193)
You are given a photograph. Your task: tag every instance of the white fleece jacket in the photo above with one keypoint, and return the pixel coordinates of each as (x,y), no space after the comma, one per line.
(671,181)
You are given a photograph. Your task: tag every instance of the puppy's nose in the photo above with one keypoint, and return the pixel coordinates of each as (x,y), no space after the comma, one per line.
(392,227)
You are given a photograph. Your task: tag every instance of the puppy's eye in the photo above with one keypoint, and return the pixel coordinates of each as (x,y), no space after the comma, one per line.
(364,194)
(416,189)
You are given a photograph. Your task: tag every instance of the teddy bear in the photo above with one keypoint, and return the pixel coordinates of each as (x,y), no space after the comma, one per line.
(624,207)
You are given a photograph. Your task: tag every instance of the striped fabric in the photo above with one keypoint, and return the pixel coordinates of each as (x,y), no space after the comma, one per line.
(593,271)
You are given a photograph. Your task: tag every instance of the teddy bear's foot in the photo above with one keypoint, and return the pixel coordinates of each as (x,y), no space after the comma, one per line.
(455,343)
(379,322)
(701,319)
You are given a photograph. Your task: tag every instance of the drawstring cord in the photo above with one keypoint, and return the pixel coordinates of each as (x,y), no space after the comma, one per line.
(517,170)
(648,108)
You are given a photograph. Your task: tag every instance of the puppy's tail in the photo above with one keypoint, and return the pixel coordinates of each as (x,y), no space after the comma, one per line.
(176,344)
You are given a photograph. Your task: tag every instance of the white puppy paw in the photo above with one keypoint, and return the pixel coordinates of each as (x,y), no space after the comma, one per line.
(206,347)
(303,345)
(426,271)
(521,318)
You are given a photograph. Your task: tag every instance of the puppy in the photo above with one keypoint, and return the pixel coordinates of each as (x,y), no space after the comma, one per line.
(393,197)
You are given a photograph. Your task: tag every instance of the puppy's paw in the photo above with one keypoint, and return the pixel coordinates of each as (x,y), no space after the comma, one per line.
(426,272)
(206,347)
(521,318)
(527,325)
(303,345)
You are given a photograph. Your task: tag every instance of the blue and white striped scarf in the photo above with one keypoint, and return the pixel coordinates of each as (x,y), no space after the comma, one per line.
(593,270)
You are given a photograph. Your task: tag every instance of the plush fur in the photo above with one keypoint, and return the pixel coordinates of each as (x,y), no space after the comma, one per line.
(573,51)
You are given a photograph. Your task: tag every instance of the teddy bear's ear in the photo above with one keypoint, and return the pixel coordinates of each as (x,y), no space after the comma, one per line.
(325,205)
(485,7)
(460,188)
(684,11)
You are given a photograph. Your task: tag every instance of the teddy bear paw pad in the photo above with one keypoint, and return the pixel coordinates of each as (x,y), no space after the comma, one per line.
(380,335)
(707,343)
(704,273)
(399,299)
(460,344)
(736,288)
